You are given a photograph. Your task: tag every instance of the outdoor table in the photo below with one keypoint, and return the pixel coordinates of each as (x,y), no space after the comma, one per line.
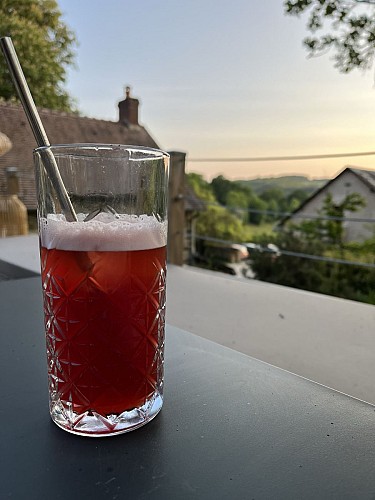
(232,427)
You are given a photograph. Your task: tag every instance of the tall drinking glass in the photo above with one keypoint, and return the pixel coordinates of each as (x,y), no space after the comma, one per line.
(104,280)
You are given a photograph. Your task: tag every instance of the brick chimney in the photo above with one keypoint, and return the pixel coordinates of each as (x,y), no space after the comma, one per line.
(128,109)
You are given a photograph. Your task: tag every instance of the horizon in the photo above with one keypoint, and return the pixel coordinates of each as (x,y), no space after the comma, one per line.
(266,177)
(277,176)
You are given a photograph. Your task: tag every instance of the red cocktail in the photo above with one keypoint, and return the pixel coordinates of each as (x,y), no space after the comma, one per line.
(104,316)
(103,277)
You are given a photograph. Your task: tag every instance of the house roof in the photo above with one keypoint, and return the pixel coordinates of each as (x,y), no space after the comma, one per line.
(61,128)
(366,176)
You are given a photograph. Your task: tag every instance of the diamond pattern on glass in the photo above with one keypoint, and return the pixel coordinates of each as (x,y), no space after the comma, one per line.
(104,320)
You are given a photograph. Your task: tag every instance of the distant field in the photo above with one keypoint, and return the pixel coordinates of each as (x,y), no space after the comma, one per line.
(287,183)
(254,231)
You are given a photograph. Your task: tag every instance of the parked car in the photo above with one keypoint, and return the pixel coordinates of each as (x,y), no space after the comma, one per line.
(252,247)
(255,247)
(274,249)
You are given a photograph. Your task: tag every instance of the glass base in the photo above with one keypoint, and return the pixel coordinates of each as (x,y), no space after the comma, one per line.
(93,424)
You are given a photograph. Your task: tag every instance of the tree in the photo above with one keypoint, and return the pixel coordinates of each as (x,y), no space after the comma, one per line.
(273,193)
(236,202)
(200,187)
(274,198)
(256,208)
(346,281)
(290,271)
(221,186)
(331,230)
(351,30)
(335,228)
(294,199)
(218,222)
(44,45)
(319,238)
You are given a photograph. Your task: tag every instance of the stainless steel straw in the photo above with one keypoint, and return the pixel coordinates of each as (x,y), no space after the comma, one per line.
(32,114)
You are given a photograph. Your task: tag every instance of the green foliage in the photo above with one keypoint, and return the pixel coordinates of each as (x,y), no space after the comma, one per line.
(277,195)
(360,250)
(221,187)
(200,187)
(287,184)
(331,231)
(351,32)
(322,238)
(237,203)
(273,193)
(218,222)
(44,46)
(240,199)
(294,199)
(289,271)
(346,281)
(241,206)
(335,228)
(258,205)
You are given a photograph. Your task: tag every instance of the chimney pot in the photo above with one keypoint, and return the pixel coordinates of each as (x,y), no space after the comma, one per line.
(128,109)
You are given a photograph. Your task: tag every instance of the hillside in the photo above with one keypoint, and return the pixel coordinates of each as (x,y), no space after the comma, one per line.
(288,183)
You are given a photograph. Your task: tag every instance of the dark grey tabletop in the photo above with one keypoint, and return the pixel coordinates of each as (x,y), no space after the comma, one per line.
(232,427)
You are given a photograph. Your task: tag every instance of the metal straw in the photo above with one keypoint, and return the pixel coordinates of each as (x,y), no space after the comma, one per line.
(40,135)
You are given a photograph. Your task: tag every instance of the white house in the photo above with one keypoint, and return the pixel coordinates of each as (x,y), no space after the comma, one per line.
(350,180)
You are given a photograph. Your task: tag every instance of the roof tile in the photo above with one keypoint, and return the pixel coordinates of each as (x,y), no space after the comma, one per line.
(61,128)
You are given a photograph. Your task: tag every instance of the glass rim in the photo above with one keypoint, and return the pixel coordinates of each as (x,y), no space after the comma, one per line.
(93,146)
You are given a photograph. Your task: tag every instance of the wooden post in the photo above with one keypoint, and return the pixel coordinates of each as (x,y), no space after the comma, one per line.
(176,208)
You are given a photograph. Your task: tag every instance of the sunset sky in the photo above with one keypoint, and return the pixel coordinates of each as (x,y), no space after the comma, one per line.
(220,78)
